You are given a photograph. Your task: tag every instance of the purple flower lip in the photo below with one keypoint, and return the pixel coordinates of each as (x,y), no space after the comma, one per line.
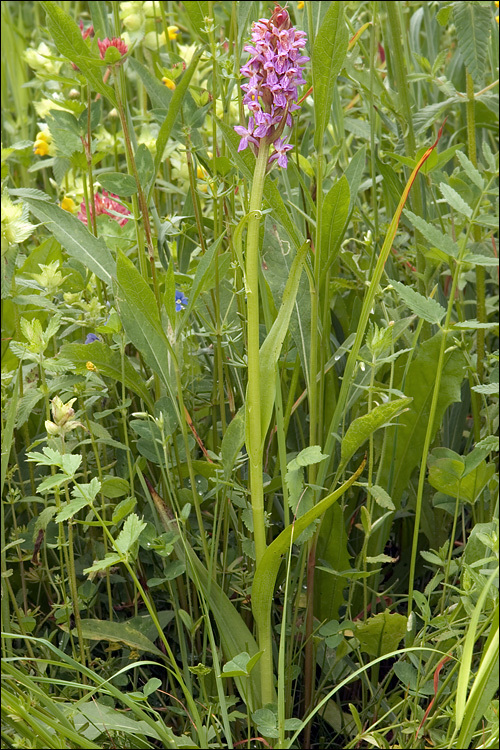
(275,73)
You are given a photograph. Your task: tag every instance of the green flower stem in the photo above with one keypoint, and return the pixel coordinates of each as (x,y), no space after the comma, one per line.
(254,429)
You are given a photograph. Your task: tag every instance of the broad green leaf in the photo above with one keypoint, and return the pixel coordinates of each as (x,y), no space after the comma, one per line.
(361,428)
(108,362)
(425,307)
(197,11)
(116,182)
(118,632)
(94,718)
(232,442)
(68,38)
(73,236)
(336,206)
(140,319)
(382,633)
(245,161)
(473,27)
(271,348)
(122,509)
(436,238)
(473,325)
(173,110)
(479,260)
(130,533)
(328,55)
(354,175)
(448,476)
(455,200)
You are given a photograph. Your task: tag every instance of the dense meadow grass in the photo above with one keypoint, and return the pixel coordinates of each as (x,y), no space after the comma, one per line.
(249,375)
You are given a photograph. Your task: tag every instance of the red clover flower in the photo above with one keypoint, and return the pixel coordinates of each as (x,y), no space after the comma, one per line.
(105,204)
(274,73)
(117,43)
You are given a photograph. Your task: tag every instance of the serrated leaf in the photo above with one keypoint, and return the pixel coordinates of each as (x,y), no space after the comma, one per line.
(425,307)
(436,238)
(52,481)
(88,491)
(381,497)
(455,200)
(110,559)
(71,509)
(130,533)
(473,26)
(361,428)
(471,171)
(488,389)
(328,55)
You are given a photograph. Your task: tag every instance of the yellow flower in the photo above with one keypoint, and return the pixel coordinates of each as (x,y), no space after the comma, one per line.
(168,83)
(68,204)
(300,4)
(91,366)
(41,148)
(201,172)
(172,32)
(44,135)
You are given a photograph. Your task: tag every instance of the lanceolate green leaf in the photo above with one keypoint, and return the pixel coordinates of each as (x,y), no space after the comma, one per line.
(197,11)
(334,217)
(118,632)
(361,428)
(140,319)
(328,55)
(473,27)
(73,236)
(271,348)
(68,38)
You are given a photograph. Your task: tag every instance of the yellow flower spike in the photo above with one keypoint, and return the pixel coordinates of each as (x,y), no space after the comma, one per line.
(168,83)
(201,172)
(300,4)
(91,366)
(172,32)
(68,204)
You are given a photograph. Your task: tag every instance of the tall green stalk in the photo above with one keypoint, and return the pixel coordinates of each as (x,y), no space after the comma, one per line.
(255,438)
(254,429)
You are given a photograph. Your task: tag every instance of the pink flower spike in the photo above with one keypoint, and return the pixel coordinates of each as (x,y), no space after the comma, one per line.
(115,42)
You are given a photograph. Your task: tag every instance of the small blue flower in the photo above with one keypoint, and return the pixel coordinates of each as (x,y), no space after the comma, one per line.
(180,300)
(91,337)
